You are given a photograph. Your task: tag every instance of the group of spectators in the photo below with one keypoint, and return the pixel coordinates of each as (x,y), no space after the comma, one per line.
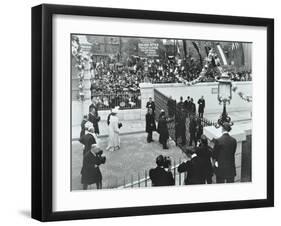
(203,162)
(116,84)
(184,116)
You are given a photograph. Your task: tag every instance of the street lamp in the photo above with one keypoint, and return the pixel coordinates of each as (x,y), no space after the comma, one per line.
(224,96)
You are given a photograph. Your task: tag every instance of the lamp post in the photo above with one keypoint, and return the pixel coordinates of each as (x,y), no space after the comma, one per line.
(224,96)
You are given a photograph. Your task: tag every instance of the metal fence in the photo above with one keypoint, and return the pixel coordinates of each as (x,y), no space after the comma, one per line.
(124,101)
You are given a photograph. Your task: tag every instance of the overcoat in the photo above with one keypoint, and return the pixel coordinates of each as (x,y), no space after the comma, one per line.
(150,123)
(90,172)
(224,154)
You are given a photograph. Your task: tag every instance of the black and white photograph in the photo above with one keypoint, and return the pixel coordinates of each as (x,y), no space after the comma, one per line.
(159,111)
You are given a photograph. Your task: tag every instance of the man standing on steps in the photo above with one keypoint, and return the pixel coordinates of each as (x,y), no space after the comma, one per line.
(224,156)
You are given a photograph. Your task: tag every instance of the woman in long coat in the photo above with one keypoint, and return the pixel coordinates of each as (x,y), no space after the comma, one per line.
(113,132)
(163,129)
(90,172)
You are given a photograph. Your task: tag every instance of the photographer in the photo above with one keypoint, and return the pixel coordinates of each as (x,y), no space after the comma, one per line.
(193,167)
(162,175)
(90,172)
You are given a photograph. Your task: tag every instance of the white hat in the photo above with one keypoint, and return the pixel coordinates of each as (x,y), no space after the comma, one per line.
(115,110)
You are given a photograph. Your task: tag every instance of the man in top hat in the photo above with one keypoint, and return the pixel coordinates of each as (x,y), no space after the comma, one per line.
(224,156)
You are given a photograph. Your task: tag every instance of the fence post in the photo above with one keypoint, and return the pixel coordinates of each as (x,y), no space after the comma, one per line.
(132,180)
(175,171)
(139,179)
(145,176)
(124,182)
(180,173)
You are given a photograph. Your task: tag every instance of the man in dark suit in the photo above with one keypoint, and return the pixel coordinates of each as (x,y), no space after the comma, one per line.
(94,118)
(171,105)
(192,131)
(159,176)
(187,106)
(150,104)
(224,156)
(162,129)
(180,126)
(192,107)
(201,106)
(150,124)
(180,104)
(193,167)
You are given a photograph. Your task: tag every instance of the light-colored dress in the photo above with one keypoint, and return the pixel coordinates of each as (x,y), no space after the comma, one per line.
(113,132)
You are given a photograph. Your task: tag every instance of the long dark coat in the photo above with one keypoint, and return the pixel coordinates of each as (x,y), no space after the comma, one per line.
(90,172)
(194,171)
(163,129)
(180,124)
(201,105)
(150,125)
(192,108)
(171,105)
(94,119)
(160,177)
(224,154)
(205,154)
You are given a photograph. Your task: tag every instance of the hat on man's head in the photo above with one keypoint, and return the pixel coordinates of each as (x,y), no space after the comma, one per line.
(162,110)
(226,126)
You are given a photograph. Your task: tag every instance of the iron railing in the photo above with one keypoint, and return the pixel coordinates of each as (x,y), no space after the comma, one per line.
(123,101)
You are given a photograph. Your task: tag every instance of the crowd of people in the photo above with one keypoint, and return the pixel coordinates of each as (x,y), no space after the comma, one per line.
(114,83)
(203,163)
(92,154)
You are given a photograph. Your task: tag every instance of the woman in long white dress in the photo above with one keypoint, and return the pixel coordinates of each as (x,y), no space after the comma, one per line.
(113,131)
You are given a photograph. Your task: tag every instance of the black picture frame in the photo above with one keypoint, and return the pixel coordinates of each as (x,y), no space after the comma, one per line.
(42,107)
